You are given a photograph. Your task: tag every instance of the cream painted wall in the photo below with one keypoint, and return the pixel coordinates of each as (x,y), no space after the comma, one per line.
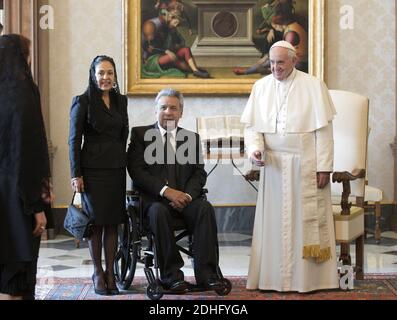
(82,30)
(363,60)
(85,28)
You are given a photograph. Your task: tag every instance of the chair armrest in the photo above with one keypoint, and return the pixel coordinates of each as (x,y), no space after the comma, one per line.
(345,177)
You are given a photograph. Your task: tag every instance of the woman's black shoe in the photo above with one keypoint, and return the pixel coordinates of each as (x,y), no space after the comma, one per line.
(112,290)
(101,291)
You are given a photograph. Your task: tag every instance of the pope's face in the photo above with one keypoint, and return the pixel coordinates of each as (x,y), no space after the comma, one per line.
(281,64)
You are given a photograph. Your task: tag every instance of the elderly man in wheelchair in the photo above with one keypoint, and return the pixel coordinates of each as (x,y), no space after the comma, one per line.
(166,166)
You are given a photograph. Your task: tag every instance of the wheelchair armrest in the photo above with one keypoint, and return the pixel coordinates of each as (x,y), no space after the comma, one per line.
(203,194)
(135,194)
(132,193)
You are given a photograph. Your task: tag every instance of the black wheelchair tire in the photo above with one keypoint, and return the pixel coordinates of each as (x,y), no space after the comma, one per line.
(154,291)
(127,254)
(225,289)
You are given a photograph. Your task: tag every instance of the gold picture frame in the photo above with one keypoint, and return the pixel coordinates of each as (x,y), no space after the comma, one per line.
(134,84)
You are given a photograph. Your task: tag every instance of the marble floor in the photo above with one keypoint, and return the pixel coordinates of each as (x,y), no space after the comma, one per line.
(61,258)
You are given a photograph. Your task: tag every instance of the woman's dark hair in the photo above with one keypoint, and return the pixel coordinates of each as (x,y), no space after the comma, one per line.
(25,46)
(24,150)
(94,93)
(14,53)
(93,89)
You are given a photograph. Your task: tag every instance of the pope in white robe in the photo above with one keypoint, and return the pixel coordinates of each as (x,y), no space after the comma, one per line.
(289,135)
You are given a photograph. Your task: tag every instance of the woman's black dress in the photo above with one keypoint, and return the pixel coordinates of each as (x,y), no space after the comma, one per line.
(102,159)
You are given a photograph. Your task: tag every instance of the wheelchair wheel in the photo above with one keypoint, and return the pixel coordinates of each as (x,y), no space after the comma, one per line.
(127,255)
(123,258)
(226,288)
(154,291)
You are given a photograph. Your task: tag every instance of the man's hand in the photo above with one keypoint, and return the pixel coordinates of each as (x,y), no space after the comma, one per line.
(256,158)
(322,179)
(178,199)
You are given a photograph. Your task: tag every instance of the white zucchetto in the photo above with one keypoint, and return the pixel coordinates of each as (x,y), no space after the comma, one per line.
(283,44)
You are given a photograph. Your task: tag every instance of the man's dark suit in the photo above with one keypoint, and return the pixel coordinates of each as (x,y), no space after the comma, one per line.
(198,215)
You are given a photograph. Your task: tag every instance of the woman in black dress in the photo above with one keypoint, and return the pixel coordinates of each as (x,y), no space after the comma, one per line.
(98,167)
(24,171)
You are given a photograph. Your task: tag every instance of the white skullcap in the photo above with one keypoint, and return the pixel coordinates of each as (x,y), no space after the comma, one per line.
(283,44)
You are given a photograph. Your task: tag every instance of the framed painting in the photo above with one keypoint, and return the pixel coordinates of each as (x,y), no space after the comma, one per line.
(215,47)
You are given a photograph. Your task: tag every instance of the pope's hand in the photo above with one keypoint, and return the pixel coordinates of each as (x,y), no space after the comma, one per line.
(256,158)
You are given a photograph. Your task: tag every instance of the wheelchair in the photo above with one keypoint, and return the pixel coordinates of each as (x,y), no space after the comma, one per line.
(133,249)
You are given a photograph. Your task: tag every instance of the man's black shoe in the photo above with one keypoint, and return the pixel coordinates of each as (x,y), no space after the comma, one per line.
(177,286)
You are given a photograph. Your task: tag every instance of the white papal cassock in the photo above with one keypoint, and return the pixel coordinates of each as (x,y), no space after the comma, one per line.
(293,245)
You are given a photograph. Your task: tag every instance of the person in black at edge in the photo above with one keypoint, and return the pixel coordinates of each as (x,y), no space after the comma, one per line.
(25,194)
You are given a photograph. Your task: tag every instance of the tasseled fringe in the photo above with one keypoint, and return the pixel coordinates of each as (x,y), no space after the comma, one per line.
(314,251)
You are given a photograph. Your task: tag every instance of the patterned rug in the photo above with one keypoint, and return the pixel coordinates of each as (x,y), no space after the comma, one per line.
(373,287)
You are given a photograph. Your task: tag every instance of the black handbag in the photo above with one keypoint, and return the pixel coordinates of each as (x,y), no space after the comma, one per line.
(77,222)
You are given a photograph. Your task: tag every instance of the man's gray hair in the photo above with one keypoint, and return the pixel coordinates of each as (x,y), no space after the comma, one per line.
(169,92)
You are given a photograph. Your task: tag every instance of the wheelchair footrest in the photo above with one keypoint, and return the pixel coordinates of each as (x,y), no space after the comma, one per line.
(150,276)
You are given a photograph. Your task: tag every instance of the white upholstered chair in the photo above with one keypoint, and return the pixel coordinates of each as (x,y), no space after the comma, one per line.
(350,151)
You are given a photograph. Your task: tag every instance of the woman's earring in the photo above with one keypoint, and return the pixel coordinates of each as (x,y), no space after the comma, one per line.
(114,85)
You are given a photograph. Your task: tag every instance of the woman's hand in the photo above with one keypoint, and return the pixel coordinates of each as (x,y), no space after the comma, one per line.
(77,184)
(46,194)
(40,223)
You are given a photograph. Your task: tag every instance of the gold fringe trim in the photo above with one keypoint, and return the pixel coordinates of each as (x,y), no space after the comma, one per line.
(316,252)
